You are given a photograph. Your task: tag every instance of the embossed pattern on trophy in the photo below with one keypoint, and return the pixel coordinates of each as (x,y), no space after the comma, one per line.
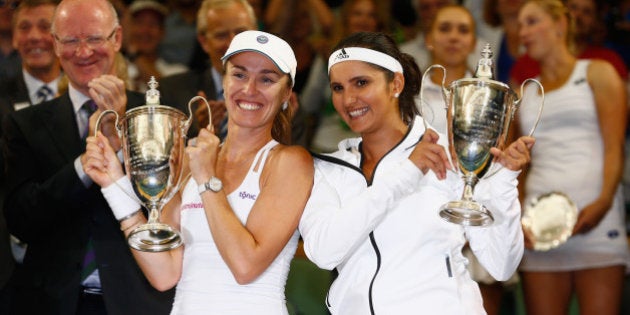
(478,123)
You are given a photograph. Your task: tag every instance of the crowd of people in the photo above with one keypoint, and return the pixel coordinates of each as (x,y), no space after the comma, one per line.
(318,146)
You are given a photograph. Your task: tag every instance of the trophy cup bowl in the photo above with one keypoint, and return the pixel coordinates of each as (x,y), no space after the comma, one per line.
(479,116)
(153,142)
(479,113)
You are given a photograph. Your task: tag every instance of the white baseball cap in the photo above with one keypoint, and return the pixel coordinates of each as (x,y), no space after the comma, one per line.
(274,47)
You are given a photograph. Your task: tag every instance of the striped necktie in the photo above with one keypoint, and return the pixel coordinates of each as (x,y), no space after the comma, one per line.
(87,109)
(43,94)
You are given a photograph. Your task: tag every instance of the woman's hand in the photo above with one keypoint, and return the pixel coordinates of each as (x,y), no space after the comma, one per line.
(590,216)
(202,155)
(429,155)
(100,162)
(517,155)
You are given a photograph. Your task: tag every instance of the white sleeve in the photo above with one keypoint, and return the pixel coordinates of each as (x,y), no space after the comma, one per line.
(499,247)
(331,232)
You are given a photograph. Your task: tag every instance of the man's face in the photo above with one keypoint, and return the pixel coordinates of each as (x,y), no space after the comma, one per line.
(32,38)
(146,30)
(223,25)
(87,40)
(584,13)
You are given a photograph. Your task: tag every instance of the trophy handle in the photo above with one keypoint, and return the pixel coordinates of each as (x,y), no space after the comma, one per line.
(190,112)
(517,104)
(445,96)
(98,122)
(542,103)
(445,92)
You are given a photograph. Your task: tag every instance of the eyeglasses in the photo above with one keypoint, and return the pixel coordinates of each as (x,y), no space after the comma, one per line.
(92,42)
(11,4)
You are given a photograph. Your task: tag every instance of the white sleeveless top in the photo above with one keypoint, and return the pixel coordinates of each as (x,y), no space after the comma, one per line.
(207,286)
(569,157)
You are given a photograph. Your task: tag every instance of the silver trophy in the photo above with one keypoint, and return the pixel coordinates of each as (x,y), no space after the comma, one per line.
(153,142)
(479,113)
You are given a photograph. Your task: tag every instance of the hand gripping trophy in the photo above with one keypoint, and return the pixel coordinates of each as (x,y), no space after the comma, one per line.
(153,142)
(479,113)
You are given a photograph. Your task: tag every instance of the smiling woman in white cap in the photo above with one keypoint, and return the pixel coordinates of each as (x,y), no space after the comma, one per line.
(239,211)
(373,212)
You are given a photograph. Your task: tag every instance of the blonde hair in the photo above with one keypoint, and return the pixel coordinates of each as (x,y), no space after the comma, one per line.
(559,12)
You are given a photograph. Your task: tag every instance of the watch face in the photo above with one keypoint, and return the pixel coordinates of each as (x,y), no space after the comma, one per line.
(215,184)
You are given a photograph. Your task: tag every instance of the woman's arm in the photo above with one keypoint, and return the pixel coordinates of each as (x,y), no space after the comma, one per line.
(162,269)
(285,186)
(610,100)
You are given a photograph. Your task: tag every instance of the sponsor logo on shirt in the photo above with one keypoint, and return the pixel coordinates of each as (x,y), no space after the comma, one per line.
(246,195)
(612,234)
(192,205)
(579,81)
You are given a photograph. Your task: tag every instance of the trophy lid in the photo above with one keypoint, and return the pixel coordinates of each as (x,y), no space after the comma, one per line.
(484,66)
(152,96)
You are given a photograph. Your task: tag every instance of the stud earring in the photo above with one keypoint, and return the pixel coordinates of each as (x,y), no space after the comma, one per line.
(285,105)
(396,95)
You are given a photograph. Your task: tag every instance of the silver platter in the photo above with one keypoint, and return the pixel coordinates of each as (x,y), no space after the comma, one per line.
(551,218)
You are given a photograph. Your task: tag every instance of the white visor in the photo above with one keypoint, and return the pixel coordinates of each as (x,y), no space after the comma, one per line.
(364,54)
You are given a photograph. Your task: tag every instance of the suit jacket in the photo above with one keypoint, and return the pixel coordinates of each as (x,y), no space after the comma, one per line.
(12,91)
(178,89)
(49,208)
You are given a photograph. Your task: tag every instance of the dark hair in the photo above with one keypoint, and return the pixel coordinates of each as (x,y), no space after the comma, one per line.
(27,4)
(384,43)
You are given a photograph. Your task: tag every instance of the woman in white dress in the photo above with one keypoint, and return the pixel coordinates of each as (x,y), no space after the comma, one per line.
(579,152)
(239,211)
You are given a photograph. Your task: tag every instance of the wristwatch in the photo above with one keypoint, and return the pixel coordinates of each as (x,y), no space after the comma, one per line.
(213,184)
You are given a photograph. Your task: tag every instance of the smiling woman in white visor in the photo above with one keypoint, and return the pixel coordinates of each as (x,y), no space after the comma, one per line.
(239,211)
(373,211)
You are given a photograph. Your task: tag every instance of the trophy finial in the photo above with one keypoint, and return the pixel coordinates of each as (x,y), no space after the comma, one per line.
(152,96)
(484,67)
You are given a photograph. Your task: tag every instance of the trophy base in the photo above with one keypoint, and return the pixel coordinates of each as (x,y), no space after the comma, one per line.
(154,237)
(468,213)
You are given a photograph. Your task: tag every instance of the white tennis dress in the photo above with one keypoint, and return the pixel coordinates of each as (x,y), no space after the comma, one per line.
(207,286)
(568,157)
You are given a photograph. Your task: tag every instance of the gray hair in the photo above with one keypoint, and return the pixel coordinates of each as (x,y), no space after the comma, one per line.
(207,5)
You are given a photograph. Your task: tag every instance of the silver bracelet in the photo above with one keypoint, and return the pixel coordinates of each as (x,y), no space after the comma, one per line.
(128,216)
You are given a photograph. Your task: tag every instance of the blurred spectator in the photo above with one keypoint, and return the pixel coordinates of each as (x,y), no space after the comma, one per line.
(40,70)
(38,78)
(416,47)
(218,22)
(324,126)
(179,42)
(78,261)
(579,152)
(500,30)
(9,57)
(587,41)
(404,20)
(618,22)
(451,38)
(298,22)
(145,32)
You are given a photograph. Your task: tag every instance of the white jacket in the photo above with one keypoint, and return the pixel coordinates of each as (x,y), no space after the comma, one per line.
(393,252)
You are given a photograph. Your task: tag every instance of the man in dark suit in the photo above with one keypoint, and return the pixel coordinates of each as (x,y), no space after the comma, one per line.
(36,82)
(51,204)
